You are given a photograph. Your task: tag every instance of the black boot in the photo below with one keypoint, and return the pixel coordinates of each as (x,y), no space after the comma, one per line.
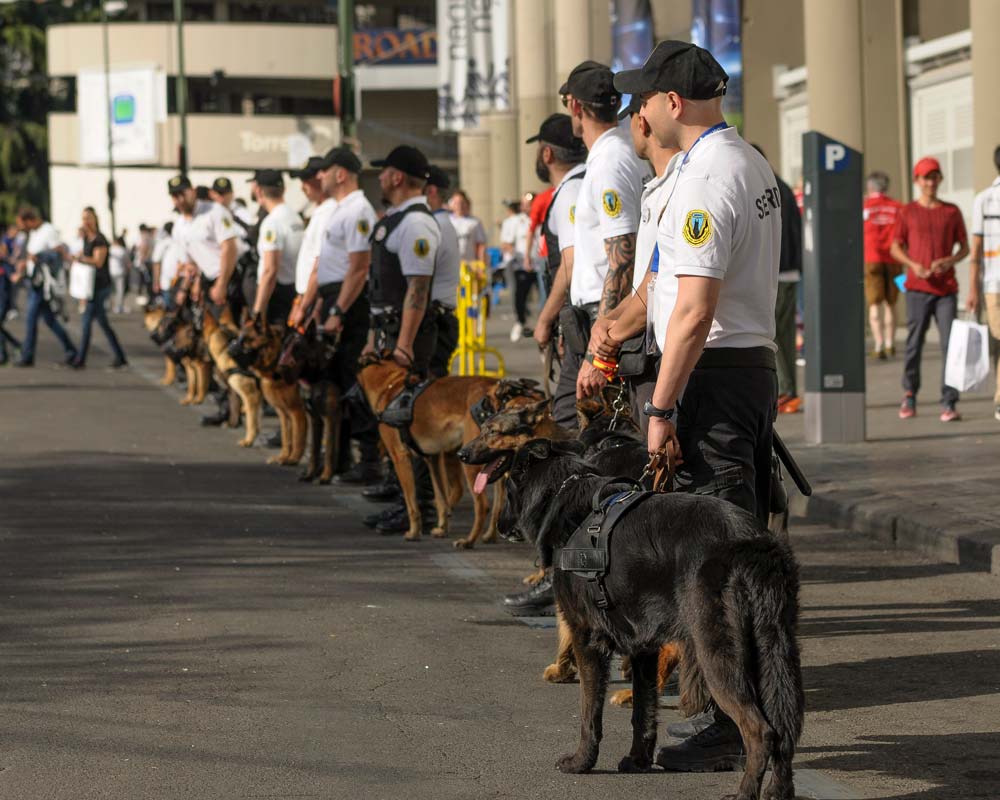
(360,473)
(400,522)
(274,440)
(717,748)
(538,601)
(386,513)
(383,492)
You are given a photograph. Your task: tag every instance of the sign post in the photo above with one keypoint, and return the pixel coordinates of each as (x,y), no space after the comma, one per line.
(833,280)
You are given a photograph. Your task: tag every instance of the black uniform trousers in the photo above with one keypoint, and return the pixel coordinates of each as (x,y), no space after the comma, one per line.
(564,397)
(446,327)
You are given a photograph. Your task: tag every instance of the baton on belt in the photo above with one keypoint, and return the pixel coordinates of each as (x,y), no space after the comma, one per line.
(785,456)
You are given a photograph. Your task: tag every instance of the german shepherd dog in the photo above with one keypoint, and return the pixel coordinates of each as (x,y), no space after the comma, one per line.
(686,568)
(151,318)
(306,360)
(218,337)
(442,423)
(182,343)
(258,348)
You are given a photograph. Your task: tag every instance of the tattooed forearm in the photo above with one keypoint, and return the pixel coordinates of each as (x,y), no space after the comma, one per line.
(621,261)
(416,292)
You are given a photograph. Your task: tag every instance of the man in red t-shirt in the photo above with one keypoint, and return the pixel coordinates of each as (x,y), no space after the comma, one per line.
(881,269)
(927,232)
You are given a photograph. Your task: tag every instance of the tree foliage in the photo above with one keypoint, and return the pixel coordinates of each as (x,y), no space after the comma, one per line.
(24,97)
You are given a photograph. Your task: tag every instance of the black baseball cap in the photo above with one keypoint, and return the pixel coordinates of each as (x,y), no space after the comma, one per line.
(222,185)
(437,177)
(557,129)
(406,159)
(308,170)
(178,184)
(675,66)
(593,83)
(270,178)
(634,104)
(341,157)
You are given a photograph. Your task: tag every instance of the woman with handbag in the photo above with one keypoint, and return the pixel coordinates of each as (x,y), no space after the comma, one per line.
(95,253)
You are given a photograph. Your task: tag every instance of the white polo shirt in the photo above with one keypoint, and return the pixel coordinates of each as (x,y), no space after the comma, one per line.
(723,221)
(607,206)
(165,254)
(654,197)
(986,223)
(415,240)
(562,213)
(514,231)
(282,230)
(448,265)
(347,230)
(311,243)
(199,237)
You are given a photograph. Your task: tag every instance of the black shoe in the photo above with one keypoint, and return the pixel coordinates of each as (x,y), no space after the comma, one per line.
(216,419)
(360,473)
(691,726)
(71,359)
(274,440)
(268,411)
(400,523)
(381,516)
(538,601)
(76,365)
(718,748)
(383,492)
(118,363)
(23,363)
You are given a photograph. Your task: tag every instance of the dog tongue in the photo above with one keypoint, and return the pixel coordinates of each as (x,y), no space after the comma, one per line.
(483,478)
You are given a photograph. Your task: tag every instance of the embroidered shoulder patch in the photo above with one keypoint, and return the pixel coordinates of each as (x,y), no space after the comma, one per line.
(697,227)
(226,222)
(269,236)
(363,227)
(421,247)
(572,213)
(612,203)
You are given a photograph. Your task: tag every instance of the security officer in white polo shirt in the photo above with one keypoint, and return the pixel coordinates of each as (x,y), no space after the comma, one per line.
(323,206)
(607,218)
(985,262)
(404,252)
(719,242)
(278,244)
(624,327)
(205,236)
(447,268)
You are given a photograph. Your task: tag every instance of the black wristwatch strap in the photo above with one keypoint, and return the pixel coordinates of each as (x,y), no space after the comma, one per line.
(335,311)
(652,411)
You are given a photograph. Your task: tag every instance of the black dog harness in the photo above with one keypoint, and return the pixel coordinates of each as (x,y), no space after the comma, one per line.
(587,553)
(482,410)
(398,413)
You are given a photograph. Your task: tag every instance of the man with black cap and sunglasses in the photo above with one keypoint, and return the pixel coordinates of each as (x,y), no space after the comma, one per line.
(606,221)
(447,269)
(221,191)
(719,241)
(323,206)
(278,244)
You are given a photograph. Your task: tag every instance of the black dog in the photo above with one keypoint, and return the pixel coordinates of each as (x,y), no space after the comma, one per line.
(686,568)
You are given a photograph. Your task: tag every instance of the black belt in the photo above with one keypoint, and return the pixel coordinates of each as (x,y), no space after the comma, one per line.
(328,289)
(737,358)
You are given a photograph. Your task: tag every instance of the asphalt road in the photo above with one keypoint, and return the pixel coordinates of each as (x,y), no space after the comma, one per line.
(180,620)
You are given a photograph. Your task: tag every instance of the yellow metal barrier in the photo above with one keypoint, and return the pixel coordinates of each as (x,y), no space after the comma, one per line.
(472,312)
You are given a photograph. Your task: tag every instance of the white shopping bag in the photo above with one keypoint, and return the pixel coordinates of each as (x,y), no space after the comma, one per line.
(81,281)
(968,364)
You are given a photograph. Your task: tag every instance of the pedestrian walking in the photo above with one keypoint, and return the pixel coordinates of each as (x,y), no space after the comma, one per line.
(716,391)
(42,258)
(119,265)
(7,268)
(96,253)
(514,245)
(984,283)
(927,233)
(881,269)
(470,231)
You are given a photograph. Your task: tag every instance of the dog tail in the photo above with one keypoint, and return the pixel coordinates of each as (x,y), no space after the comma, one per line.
(765,573)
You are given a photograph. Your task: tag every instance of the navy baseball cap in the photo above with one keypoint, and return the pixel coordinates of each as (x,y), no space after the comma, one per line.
(673,66)
(592,82)
(270,178)
(222,185)
(341,157)
(178,184)
(308,170)
(406,159)
(557,129)
(438,177)
(634,104)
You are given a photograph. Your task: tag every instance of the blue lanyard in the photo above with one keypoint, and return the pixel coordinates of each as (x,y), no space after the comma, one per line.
(718,127)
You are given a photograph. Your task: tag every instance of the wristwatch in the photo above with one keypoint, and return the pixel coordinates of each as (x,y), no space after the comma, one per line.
(652,411)
(335,311)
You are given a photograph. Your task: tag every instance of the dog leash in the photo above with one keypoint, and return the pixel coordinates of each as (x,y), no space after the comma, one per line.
(662,467)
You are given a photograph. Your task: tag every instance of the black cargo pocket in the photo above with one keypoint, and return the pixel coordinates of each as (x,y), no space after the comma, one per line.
(722,481)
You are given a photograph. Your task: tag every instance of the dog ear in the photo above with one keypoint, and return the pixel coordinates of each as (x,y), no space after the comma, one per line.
(538,448)
(537,410)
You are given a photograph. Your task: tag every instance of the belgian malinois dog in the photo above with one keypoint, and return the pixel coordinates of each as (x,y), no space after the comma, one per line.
(442,423)
(244,385)
(258,348)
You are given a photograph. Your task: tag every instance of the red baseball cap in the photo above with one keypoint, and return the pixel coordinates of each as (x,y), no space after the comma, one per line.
(926,166)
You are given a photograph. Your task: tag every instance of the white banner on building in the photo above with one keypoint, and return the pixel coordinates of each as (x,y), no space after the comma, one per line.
(473,60)
(135,107)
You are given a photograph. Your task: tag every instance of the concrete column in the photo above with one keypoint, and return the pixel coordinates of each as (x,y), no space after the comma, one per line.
(474,172)
(535,88)
(501,126)
(600,31)
(833,60)
(985,20)
(885,100)
(571,35)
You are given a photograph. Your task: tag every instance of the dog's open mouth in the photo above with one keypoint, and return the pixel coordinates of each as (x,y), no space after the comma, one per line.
(493,471)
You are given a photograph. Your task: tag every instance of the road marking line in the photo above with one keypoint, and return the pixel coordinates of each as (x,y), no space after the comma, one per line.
(817,786)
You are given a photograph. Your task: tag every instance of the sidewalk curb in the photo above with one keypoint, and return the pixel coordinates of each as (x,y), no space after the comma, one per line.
(881,517)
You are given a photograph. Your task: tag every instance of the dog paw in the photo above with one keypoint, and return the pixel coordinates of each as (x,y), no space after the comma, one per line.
(246,442)
(463,544)
(412,537)
(632,764)
(773,792)
(184,401)
(274,460)
(325,479)
(574,765)
(622,698)
(553,674)
(439,532)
